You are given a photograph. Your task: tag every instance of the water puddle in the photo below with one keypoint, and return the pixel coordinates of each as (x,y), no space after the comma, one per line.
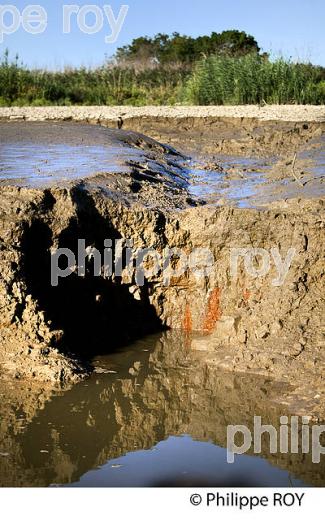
(255,182)
(153,414)
(316,156)
(237,180)
(38,165)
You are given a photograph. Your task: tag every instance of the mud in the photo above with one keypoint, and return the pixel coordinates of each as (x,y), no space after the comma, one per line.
(234,183)
(124,165)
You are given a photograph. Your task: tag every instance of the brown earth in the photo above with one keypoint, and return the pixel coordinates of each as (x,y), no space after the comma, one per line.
(246,324)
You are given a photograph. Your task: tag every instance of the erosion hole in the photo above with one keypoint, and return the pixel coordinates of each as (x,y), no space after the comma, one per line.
(96,314)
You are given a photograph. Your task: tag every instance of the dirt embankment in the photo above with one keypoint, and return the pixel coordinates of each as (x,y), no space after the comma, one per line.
(247,323)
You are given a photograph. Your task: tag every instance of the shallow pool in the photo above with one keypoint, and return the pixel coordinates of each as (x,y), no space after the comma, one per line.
(153,414)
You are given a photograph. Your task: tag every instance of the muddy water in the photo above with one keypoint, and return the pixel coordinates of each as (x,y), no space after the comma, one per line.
(40,155)
(248,182)
(153,414)
(237,180)
(39,165)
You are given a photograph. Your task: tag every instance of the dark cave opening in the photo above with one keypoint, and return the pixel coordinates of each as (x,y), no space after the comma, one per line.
(96,314)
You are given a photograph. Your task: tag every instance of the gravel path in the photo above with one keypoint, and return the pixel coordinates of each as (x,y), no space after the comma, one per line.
(295,113)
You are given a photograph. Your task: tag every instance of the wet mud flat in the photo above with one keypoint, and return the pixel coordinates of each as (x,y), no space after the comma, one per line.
(217,183)
(254,164)
(42,155)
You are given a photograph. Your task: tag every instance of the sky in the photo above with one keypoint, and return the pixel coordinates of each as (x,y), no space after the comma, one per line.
(292,28)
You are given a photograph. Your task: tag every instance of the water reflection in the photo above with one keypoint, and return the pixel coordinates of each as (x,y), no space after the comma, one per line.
(154,414)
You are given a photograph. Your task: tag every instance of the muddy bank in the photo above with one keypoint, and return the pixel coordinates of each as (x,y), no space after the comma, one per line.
(125,166)
(240,130)
(243,323)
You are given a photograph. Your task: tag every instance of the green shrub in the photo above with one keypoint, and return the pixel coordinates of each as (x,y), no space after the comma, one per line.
(252,79)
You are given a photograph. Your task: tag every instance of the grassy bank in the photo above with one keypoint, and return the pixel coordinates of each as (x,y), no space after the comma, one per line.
(214,80)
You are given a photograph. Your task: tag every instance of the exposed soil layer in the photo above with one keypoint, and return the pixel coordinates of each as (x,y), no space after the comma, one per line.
(245,323)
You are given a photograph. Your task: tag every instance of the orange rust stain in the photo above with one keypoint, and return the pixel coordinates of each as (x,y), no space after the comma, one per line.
(246,295)
(187,321)
(213,312)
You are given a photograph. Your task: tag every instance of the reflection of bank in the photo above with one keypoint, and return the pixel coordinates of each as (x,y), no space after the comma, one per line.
(136,398)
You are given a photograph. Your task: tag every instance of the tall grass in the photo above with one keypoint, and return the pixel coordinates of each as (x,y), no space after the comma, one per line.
(105,85)
(214,80)
(251,80)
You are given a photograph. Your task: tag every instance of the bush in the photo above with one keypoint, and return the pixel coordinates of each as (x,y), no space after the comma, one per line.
(251,80)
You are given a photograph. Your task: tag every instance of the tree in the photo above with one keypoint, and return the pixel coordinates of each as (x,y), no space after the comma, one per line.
(178,48)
